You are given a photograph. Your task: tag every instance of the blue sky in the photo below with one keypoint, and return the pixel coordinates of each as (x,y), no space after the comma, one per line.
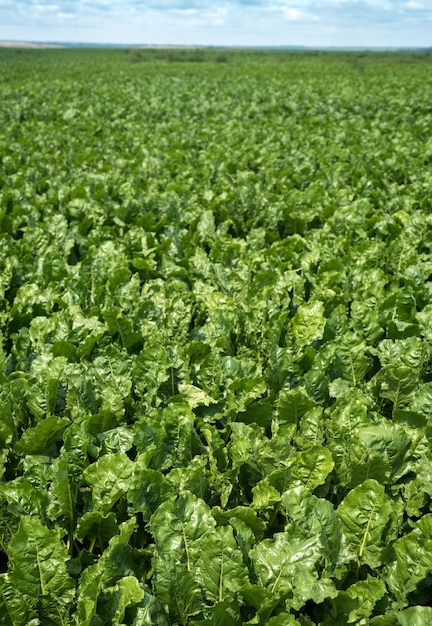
(344,23)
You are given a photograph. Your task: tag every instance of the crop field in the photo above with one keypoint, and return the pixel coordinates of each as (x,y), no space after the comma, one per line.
(215,338)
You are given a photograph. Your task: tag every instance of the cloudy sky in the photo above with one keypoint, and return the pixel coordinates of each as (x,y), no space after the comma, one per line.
(344,23)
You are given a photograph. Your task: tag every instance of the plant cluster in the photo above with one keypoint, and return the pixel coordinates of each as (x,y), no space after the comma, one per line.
(216,344)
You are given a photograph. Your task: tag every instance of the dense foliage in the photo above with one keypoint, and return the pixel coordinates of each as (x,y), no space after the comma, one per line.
(216,339)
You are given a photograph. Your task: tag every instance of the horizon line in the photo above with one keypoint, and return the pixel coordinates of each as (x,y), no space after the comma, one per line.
(81,44)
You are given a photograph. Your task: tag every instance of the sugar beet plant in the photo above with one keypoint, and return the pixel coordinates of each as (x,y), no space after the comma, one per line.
(216,327)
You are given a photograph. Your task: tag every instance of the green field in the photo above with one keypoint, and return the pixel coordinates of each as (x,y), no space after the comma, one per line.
(215,338)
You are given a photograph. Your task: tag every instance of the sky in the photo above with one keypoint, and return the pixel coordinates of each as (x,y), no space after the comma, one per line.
(312,23)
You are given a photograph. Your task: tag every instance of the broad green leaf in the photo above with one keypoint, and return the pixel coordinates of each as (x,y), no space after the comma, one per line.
(124,594)
(422,401)
(265,495)
(220,571)
(109,479)
(397,383)
(38,440)
(14,606)
(115,563)
(309,516)
(196,478)
(63,492)
(111,369)
(150,612)
(224,613)
(292,405)
(356,604)
(366,463)
(385,620)
(285,567)
(24,498)
(195,396)
(38,563)
(150,370)
(95,525)
(412,564)
(311,430)
(346,417)
(243,391)
(391,442)
(175,587)
(311,467)
(177,524)
(415,616)
(147,490)
(365,594)
(243,513)
(256,595)
(405,352)
(364,514)
(119,324)
(366,322)
(283,619)
(308,323)
(118,439)
(351,362)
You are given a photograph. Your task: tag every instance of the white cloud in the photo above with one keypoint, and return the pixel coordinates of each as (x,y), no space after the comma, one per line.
(290,14)
(414,6)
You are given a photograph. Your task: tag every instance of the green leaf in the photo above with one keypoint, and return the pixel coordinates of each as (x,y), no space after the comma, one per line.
(97,525)
(311,467)
(412,564)
(422,402)
(24,498)
(351,362)
(256,595)
(118,439)
(292,405)
(283,619)
(356,604)
(390,442)
(14,606)
(109,478)
(124,594)
(114,563)
(364,514)
(195,478)
(385,620)
(220,571)
(308,323)
(177,524)
(397,383)
(63,492)
(150,612)
(345,419)
(224,613)
(119,324)
(243,391)
(148,490)
(195,396)
(243,513)
(285,567)
(311,429)
(366,322)
(38,563)
(265,496)
(38,440)
(415,616)
(309,516)
(176,588)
